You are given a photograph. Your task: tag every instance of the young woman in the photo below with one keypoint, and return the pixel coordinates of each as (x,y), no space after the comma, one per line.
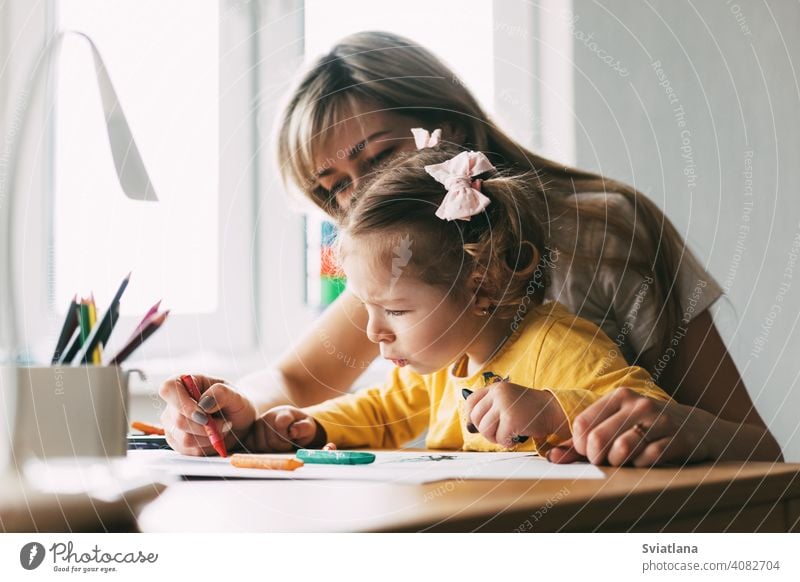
(617,261)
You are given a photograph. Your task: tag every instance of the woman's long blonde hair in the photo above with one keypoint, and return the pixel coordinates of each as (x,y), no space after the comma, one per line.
(400,76)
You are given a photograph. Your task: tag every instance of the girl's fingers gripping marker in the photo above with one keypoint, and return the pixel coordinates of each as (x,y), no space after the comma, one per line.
(516,439)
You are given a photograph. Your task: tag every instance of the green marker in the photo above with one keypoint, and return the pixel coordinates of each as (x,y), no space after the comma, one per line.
(335,457)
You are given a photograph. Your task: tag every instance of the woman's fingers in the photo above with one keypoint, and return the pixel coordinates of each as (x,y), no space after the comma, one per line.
(175,395)
(602,436)
(187,443)
(225,403)
(659,452)
(174,420)
(676,446)
(185,420)
(643,432)
(183,435)
(630,444)
(636,424)
(598,413)
(596,428)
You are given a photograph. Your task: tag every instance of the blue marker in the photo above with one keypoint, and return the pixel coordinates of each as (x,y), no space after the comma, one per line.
(335,457)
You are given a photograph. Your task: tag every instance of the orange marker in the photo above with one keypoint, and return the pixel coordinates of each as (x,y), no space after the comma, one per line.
(211,430)
(265,462)
(147,428)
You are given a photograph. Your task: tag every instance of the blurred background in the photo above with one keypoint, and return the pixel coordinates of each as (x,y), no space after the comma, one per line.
(697,104)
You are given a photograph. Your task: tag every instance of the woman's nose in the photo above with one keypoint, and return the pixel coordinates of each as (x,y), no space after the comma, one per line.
(345,195)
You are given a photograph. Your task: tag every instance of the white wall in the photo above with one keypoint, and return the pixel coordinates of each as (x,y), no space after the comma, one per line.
(732,69)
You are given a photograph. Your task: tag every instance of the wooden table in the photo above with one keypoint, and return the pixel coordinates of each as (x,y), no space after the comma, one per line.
(740,497)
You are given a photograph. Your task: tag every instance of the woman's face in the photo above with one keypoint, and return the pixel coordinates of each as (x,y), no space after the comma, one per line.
(357,145)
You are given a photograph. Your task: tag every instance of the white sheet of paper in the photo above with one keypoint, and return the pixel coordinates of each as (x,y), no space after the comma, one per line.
(395,467)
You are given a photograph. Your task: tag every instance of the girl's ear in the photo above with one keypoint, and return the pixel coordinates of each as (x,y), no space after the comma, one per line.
(481,300)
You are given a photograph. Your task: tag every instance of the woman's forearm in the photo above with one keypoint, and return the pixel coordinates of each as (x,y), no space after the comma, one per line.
(272,387)
(323,363)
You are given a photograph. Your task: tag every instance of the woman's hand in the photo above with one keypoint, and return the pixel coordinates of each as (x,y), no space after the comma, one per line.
(624,427)
(504,410)
(184,419)
(285,428)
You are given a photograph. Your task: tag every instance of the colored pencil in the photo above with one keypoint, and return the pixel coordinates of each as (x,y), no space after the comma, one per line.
(139,339)
(83,331)
(95,355)
(67,330)
(146,319)
(103,330)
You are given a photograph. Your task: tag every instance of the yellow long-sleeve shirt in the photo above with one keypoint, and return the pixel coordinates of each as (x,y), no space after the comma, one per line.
(551,350)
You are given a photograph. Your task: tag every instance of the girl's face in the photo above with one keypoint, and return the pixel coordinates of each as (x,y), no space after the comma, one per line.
(357,145)
(415,324)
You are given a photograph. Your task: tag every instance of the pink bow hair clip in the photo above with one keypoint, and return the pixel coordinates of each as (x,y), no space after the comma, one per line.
(464,198)
(423,139)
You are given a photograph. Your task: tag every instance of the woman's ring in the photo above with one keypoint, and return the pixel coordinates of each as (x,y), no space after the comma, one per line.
(641,430)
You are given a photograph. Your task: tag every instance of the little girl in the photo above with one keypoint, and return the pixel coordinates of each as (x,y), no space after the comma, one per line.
(452,270)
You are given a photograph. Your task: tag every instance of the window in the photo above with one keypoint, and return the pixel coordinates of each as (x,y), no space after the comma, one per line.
(473,63)
(172,70)
(444,28)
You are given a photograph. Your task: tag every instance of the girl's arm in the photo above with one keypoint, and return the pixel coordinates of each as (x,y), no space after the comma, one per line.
(383,417)
(702,374)
(323,364)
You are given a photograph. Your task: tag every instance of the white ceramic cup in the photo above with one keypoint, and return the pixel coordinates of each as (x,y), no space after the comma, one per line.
(57,412)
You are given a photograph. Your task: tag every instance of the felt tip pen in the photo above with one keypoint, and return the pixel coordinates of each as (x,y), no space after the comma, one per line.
(211,430)
(335,457)
(516,439)
(147,428)
(248,461)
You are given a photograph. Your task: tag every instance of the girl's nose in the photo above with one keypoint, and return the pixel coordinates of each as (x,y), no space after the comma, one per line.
(377,333)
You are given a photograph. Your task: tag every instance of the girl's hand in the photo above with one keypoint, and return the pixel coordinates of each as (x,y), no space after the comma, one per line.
(285,428)
(184,419)
(624,427)
(505,410)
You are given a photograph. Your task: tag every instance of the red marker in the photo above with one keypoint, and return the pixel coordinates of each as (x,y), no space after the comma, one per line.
(211,430)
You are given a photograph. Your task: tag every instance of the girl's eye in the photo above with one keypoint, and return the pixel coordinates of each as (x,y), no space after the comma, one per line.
(394,313)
